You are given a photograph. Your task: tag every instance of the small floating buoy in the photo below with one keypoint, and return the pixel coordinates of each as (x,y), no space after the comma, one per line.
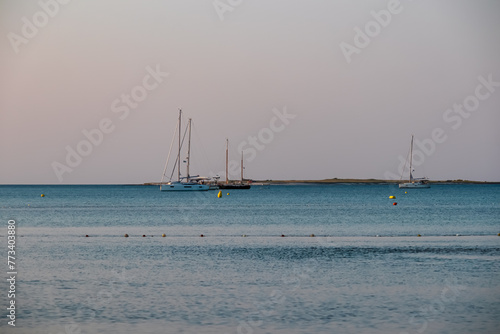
(86,235)
(227,194)
(282,235)
(201,235)
(126,235)
(457,235)
(244,235)
(377,235)
(498,234)
(312,235)
(392,197)
(219,195)
(163,235)
(42,195)
(395,203)
(143,235)
(406,192)
(418,235)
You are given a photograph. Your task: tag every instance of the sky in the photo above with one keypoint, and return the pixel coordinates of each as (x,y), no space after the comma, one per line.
(306,89)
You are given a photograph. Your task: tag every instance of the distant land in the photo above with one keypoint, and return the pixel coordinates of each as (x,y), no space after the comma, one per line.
(368,181)
(374,181)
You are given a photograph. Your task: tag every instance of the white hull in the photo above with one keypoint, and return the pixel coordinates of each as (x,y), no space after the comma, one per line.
(414,185)
(184,186)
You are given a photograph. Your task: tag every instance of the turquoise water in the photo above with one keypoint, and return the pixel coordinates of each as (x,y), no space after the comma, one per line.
(365,271)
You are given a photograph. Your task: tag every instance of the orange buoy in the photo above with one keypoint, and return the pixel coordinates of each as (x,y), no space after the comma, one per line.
(86,235)
(143,235)
(282,235)
(201,235)
(395,203)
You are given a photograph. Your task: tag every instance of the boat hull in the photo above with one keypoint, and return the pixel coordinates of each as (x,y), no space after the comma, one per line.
(234,186)
(184,186)
(415,185)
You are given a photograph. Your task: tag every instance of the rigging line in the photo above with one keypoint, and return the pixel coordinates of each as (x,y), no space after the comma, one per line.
(404,167)
(179,153)
(169,151)
(202,148)
(423,171)
(200,160)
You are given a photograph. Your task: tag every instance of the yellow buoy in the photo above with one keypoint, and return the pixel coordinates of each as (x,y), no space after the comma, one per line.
(406,192)
(228,194)
(163,235)
(244,235)
(392,197)
(312,235)
(42,195)
(418,235)
(219,195)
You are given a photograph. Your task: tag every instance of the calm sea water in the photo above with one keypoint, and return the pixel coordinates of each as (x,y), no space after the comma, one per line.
(364,271)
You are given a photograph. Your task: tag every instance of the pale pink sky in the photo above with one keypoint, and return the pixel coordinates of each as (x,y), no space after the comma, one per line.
(354,115)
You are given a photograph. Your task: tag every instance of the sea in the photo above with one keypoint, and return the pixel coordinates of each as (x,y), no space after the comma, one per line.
(315,258)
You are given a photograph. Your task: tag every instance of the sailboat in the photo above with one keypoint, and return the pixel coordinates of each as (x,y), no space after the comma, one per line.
(413,182)
(228,185)
(188,182)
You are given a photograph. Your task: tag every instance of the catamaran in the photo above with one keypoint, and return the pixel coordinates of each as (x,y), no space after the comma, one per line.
(188,182)
(413,182)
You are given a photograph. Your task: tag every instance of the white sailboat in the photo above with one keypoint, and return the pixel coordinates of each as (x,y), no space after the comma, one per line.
(188,182)
(413,182)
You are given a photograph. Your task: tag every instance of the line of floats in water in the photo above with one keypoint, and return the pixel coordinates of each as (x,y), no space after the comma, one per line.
(282,236)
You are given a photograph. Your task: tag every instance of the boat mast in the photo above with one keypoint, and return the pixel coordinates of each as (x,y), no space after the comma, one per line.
(241,167)
(179,151)
(227,162)
(189,149)
(411,156)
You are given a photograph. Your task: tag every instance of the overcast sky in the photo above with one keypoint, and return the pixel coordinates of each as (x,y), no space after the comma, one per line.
(307,89)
